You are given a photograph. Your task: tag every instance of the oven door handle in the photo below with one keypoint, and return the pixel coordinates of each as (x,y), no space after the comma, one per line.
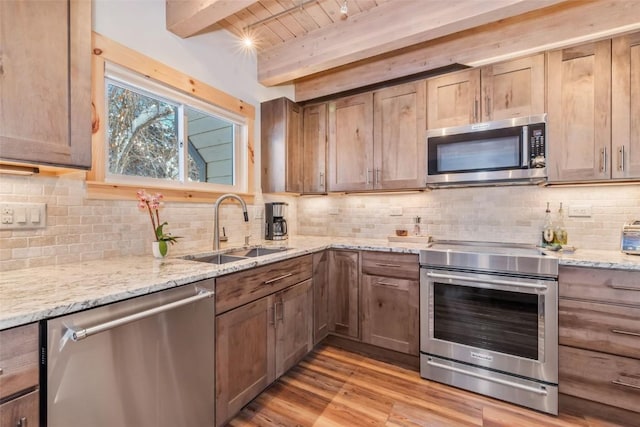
(490,281)
(540,391)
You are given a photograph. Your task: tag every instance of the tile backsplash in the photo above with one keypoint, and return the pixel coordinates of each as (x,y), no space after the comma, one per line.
(81,229)
(504,214)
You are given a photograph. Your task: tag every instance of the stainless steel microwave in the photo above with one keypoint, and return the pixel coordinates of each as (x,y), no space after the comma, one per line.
(511,151)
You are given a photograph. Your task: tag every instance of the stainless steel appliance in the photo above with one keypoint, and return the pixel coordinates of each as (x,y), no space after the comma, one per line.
(630,240)
(489,321)
(509,151)
(148,361)
(275,227)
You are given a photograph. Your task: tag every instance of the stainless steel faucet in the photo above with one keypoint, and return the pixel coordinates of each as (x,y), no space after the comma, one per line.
(216,223)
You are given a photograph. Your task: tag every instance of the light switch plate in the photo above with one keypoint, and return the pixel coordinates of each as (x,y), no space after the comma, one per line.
(23,216)
(579,211)
(334,211)
(397,211)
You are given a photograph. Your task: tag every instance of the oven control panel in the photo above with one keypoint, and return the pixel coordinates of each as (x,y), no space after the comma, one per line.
(537,151)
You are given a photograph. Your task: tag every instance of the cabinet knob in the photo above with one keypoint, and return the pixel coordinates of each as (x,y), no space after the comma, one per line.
(22,422)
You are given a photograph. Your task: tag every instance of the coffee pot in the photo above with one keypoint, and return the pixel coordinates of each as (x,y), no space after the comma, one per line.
(275,223)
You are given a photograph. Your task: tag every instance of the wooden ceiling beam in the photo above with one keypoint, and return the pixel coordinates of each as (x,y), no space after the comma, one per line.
(390,26)
(563,25)
(186,18)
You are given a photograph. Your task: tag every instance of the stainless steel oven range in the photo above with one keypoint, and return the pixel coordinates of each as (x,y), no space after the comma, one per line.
(489,321)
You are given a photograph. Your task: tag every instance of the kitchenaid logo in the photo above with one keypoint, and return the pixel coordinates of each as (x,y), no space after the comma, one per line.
(480,356)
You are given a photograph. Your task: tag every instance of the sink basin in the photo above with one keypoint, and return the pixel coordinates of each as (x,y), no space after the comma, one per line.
(255,252)
(235,255)
(217,259)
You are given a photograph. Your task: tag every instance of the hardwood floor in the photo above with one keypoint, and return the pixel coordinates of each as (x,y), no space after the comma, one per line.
(335,387)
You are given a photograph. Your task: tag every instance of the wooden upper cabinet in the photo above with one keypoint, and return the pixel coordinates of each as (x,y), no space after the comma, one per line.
(399,124)
(513,88)
(453,99)
(501,91)
(281,143)
(45,82)
(351,143)
(625,107)
(315,149)
(579,112)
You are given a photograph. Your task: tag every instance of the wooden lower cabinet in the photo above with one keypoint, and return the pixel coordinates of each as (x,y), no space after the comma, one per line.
(344,286)
(294,325)
(320,295)
(390,313)
(21,412)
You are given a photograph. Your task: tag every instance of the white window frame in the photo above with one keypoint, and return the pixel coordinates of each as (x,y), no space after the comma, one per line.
(134,80)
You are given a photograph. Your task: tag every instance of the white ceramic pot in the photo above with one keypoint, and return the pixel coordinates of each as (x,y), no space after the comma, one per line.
(160,249)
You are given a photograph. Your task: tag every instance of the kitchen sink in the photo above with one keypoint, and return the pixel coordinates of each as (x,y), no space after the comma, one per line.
(235,255)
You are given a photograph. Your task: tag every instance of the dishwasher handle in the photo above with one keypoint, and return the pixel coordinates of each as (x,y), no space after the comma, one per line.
(80,334)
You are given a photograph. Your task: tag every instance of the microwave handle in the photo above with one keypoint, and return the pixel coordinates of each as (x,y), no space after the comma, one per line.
(525,146)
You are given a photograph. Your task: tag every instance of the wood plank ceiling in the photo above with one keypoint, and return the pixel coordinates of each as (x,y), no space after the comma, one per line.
(303,41)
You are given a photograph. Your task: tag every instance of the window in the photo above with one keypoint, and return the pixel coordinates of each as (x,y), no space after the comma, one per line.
(157,134)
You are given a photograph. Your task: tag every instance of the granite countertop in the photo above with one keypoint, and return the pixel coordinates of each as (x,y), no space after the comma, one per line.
(37,293)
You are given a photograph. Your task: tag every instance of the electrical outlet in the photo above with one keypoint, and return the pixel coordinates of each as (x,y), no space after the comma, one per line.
(7,211)
(395,211)
(7,219)
(23,216)
(258,212)
(334,211)
(580,211)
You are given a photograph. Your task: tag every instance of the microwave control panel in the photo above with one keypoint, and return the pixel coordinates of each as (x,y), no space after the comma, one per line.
(537,152)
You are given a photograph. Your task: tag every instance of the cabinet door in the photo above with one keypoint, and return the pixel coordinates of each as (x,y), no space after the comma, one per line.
(21,412)
(625,107)
(351,143)
(320,296)
(281,145)
(579,113)
(294,325)
(390,313)
(513,89)
(453,99)
(399,137)
(244,360)
(45,84)
(315,149)
(343,293)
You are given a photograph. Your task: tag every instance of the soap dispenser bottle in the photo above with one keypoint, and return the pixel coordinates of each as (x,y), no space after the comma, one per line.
(547,228)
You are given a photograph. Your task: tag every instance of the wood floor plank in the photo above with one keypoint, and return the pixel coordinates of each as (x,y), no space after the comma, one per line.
(333,387)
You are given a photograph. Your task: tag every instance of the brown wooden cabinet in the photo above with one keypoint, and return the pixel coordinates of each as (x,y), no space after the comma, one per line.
(390,299)
(599,326)
(625,107)
(505,90)
(19,361)
(320,296)
(376,139)
(264,325)
(579,121)
(344,288)
(281,143)
(45,106)
(315,149)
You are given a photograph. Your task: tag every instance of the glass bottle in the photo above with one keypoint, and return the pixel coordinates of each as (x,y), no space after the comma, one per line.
(547,228)
(560,232)
(416,226)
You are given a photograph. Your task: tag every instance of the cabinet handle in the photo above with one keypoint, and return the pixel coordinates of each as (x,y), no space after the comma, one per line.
(487,106)
(391,285)
(376,180)
(367,178)
(272,320)
(603,159)
(321,179)
(622,332)
(622,383)
(275,309)
(624,288)
(1,371)
(381,264)
(475,110)
(22,422)
(284,276)
(621,158)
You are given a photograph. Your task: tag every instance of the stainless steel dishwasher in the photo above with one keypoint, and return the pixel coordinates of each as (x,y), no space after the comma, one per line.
(147,361)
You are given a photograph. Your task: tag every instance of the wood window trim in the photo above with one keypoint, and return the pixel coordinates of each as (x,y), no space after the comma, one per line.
(107,50)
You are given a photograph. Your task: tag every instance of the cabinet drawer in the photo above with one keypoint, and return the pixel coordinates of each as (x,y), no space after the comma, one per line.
(18,359)
(608,328)
(240,288)
(402,266)
(601,377)
(600,285)
(25,409)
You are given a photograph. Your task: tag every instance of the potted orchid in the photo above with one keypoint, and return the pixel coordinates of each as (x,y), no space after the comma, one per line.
(152,204)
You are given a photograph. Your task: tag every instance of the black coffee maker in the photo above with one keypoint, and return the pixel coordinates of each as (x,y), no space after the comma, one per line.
(275,227)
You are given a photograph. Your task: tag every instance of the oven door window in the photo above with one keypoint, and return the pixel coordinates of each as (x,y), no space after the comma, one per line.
(489,319)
